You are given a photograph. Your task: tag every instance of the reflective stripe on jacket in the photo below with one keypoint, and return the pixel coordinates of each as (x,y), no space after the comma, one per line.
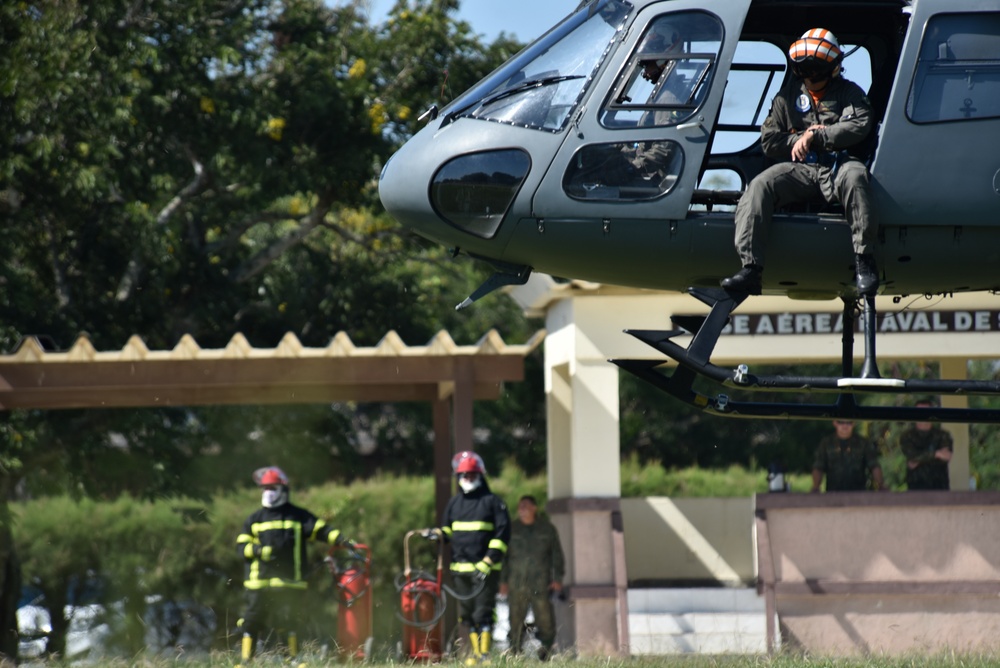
(273,545)
(478,525)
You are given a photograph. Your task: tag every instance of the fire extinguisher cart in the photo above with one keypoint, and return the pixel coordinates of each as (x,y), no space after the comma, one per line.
(422,605)
(351,567)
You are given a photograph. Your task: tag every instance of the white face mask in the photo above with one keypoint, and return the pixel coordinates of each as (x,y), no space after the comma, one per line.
(470,485)
(271,498)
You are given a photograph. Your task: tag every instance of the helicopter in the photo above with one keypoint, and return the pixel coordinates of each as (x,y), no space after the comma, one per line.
(523,171)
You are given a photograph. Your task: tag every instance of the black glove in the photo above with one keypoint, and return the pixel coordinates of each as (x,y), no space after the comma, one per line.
(431,534)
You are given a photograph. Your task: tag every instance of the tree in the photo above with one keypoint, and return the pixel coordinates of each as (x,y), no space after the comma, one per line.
(207,168)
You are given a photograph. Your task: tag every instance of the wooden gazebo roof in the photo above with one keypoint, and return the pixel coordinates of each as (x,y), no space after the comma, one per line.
(188,375)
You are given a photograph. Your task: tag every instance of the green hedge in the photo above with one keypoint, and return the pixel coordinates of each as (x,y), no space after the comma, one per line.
(184,550)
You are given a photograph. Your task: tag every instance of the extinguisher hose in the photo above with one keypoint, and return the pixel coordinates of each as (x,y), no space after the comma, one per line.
(476,591)
(440,601)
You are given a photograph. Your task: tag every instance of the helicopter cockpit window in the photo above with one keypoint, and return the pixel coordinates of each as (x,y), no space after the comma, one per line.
(474,191)
(542,85)
(958,70)
(624,170)
(669,73)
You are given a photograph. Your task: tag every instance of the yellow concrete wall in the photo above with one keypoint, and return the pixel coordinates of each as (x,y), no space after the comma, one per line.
(695,540)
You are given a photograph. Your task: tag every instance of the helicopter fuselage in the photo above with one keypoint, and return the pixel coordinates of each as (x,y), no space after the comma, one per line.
(541,165)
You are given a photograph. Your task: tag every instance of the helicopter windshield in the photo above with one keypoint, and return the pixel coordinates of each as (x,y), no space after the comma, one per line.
(541,86)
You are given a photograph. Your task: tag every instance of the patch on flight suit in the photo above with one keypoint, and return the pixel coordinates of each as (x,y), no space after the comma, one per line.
(802,104)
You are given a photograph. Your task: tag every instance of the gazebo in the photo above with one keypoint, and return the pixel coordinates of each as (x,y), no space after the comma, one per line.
(449,376)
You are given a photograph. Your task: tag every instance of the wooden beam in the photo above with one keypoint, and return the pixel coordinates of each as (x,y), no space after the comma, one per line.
(82,377)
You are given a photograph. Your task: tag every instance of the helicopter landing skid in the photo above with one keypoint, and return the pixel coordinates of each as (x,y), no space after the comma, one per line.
(693,362)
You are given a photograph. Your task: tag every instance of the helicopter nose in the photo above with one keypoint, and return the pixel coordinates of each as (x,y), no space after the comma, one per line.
(402,187)
(452,196)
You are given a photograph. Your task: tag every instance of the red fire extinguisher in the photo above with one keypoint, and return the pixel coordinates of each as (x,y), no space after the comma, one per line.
(422,605)
(351,567)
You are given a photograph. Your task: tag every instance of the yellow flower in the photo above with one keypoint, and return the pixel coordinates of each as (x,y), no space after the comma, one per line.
(295,206)
(376,114)
(274,128)
(207,105)
(357,69)
(404,113)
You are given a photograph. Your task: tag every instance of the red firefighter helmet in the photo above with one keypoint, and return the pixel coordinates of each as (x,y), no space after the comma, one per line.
(270,475)
(467,462)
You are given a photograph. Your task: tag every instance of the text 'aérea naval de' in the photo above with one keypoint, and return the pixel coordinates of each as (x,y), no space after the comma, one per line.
(780,324)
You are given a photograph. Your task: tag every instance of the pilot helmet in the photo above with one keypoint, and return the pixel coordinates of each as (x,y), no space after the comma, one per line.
(815,55)
(662,38)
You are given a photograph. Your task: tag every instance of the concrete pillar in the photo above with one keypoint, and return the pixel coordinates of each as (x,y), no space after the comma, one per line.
(959,470)
(585,477)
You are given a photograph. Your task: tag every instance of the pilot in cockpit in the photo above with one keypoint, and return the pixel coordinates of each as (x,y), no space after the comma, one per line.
(667,78)
(635,169)
(657,57)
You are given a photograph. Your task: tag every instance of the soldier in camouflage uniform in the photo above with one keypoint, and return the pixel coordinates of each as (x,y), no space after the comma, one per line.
(927,448)
(846,460)
(533,570)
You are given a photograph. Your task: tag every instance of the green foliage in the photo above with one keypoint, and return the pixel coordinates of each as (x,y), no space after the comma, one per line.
(209,168)
(657,428)
(641,479)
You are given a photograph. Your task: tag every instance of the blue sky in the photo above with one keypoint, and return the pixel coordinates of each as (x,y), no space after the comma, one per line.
(525,19)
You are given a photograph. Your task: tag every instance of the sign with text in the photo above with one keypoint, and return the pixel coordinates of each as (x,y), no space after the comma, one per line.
(902,322)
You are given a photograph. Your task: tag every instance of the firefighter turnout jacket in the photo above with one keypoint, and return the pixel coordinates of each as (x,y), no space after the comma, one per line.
(273,545)
(478,526)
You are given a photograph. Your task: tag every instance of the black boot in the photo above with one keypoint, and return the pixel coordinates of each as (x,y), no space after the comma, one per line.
(866,274)
(747,279)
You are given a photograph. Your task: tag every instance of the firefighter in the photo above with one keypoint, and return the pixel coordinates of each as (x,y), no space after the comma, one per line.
(273,547)
(477,525)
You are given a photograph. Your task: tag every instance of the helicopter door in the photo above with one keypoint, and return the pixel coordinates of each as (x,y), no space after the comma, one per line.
(637,145)
(935,163)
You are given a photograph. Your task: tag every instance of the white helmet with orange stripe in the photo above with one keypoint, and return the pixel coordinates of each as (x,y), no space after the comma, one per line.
(815,55)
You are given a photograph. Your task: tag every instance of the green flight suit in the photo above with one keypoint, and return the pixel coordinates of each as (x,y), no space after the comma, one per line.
(839,176)
(534,560)
(920,446)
